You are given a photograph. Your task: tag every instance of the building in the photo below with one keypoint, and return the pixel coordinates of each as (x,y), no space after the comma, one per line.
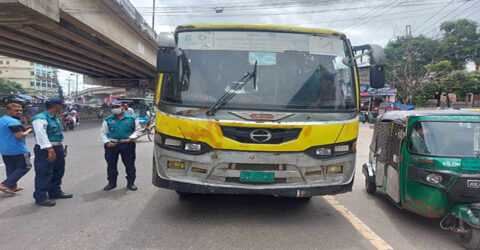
(46,80)
(18,71)
(35,78)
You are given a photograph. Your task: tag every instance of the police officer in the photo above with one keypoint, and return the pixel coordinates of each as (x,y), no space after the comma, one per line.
(49,155)
(119,132)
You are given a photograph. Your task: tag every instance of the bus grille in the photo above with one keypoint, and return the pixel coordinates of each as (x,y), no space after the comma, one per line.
(278,136)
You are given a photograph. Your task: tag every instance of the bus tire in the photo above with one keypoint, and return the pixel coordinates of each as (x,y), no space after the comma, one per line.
(183,195)
(155,177)
(370,186)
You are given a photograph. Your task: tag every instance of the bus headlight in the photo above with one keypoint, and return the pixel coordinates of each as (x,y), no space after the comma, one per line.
(332,150)
(181,145)
(323,152)
(193,147)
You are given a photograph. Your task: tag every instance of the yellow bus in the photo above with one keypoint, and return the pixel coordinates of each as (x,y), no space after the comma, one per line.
(257,109)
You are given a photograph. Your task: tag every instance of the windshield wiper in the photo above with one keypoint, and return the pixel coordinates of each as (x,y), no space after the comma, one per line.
(232,90)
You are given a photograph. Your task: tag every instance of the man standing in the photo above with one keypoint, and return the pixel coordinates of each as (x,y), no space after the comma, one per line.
(13,148)
(119,132)
(128,110)
(49,155)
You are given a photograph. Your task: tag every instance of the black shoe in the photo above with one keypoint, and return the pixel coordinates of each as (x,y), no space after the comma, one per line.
(132,187)
(46,203)
(61,195)
(109,187)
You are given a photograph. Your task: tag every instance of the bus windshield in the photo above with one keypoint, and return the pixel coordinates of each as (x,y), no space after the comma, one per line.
(294,71)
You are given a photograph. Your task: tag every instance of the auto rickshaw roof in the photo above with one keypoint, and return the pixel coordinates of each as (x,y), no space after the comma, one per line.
(404,115)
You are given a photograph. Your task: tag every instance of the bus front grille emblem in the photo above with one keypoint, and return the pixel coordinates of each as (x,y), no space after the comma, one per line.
(260,135)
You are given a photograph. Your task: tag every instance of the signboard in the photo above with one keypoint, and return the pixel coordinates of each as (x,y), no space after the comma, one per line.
(261,41)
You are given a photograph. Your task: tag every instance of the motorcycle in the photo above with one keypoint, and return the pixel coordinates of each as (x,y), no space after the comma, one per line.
(68,121)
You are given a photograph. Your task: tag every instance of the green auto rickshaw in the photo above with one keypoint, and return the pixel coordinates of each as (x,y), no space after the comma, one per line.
(428,162)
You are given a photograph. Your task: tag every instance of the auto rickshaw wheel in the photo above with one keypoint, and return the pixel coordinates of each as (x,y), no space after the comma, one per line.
(370,186)
(471,238)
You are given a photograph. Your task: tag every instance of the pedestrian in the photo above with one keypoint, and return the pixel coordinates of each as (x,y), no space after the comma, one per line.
(49,155)
(119,132)
(13,148)
(128,110)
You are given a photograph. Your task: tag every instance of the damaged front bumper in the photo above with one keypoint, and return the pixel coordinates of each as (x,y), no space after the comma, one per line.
(219,172)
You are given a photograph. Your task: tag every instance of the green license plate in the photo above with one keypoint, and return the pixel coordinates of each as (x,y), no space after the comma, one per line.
(257,177)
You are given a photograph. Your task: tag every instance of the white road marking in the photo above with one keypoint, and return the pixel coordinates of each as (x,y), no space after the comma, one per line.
(361,227)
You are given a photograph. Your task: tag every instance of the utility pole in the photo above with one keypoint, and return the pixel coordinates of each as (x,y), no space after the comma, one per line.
(153,14)
(76,85)
(69,82)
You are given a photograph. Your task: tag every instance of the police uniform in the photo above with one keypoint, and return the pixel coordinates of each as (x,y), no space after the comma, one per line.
(120,130)
(48,174)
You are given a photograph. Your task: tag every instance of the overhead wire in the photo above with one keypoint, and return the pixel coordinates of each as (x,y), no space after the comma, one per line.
(434,15)
(284,13)
(444,17)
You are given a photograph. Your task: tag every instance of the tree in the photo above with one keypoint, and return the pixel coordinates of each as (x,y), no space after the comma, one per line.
(406,61)
(460,42)
(10,87)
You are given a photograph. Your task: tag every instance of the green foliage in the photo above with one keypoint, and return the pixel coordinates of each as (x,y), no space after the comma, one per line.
(406,60)
(9,87)
(460,42)
(420,67)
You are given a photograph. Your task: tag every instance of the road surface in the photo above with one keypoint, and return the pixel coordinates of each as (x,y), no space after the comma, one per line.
(156,219)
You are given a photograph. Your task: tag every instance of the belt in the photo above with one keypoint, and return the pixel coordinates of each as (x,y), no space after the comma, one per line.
(120,140)
(56,143)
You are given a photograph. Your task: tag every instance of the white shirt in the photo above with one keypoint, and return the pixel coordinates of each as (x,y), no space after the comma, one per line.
(40,130)
(137,133)
(130,111)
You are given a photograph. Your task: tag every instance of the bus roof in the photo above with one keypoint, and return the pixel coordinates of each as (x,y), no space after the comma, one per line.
(258,27)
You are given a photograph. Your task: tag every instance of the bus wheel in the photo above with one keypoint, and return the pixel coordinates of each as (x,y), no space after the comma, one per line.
(304,199)
(370,186)
(183,195)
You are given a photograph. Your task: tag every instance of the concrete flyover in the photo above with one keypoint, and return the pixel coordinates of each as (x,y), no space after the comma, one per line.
(107,40)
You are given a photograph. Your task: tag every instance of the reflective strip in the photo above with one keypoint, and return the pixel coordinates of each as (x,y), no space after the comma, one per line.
(159,88)
(56,143)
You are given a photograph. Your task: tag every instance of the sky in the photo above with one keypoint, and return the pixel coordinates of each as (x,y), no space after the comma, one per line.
(364,21)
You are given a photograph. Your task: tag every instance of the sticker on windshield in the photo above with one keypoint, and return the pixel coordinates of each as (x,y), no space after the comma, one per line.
(262,58)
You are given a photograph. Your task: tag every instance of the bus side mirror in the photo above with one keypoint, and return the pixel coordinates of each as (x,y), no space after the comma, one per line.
(377,69)
(167,60)
(377,76)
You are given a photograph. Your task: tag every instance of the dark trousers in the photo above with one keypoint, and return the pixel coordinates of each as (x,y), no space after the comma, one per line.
(48,174)
(127,152)
(17,166)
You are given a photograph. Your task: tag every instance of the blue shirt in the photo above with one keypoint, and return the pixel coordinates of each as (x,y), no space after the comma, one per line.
(120,129)
(10,145)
